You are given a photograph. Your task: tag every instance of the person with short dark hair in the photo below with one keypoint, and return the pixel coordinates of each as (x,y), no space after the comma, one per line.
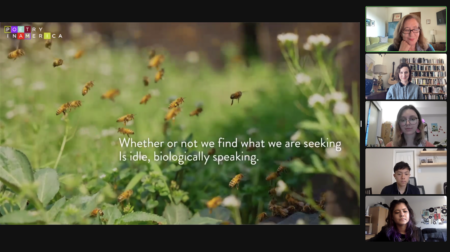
(402,185)
(400,225)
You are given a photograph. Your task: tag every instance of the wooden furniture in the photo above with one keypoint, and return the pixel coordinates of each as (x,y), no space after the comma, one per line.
(386,132)
(369,191)
(377,96)
(438,46)
(368,227)
(378,216)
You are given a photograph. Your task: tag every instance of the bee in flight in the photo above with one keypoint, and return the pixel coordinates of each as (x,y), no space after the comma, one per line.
(176,103)
(16,54)
(57,62)
(146,81)
(111,94)
(212,151)
(48,44)
(172,113)
(213,203)
(126,118)
(87,87)
(235,181)
(271,177)
(145,99)
(125,195)
(125,131)
(96,211)
(262,216)
(74,104)
(156,61)
(196,112)
(63,108)
(159,75)
(78,54)
(236,95)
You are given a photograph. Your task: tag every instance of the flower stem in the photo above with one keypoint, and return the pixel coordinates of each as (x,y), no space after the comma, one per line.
(63,144)
(237,216)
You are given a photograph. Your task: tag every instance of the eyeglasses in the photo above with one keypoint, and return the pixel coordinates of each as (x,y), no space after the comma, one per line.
(411,121)
(409,31)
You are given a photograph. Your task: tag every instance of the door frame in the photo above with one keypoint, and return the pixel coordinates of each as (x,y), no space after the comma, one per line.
(413,165)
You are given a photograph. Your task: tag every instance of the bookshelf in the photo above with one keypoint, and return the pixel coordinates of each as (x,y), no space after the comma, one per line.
(430,75)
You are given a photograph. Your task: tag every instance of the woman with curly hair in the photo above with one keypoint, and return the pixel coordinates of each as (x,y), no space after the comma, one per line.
(408,36)
(401,226)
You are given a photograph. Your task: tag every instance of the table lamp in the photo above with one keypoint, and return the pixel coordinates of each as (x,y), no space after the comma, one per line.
(380,70)
(433,40)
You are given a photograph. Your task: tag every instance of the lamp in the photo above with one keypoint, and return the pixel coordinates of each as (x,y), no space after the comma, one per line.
(433,40)
(380,70)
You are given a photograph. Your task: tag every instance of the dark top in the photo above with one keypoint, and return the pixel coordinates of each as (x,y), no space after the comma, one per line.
(381,236)
(392,48)
(392,189)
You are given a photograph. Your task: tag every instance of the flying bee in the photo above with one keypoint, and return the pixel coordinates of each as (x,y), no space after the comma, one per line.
(251,147)
(176,103)
(172,113)
(262,216)
(146,81)
(271,177)
(48,44)
(125,131)
(78,54)
(151,54)
(281,169)
(87,87)
(159,75)
(57,62)
(145,99)
(236,95)
(96,211)
(16,54)
(213,203)
(156,61)
(74,104)
(126,118)
(212,151)
(111,94)
(125,195)
(63,108)
(196,112)
(235,181)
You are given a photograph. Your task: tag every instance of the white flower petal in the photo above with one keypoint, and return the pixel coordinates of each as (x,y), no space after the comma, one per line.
(302,78)
(341,221)
(341,108)
(295,136)
(231,201)
(281,187)
(313,99)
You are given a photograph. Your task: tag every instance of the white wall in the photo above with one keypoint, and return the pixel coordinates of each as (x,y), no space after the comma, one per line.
(425,13)
(379,14)
(380,169)
(389,58)
(441,121)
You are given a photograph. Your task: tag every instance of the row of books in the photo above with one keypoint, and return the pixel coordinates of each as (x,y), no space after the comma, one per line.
(426,68)
(429,74)
(422,60)
(433,97)
(432,89)
(422,81)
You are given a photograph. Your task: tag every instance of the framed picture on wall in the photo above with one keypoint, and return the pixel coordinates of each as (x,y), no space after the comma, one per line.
(396,17)
(428,21)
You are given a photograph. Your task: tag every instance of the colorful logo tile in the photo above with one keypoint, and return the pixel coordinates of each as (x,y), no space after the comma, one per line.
(20,35)
(13,29)
(7,29)
(27,29)
(20,29)
(27,35)
(47,35)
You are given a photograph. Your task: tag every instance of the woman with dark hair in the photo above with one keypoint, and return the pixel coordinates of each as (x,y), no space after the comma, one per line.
(408,36)
(409,129)
(404,89)
(401,226)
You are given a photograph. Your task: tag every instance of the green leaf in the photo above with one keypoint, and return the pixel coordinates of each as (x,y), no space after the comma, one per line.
(309,125)
(157,170)
(201,220)
(15,169)
(48,185)
(111,213)
(133,182)
(21,217)
(51,214)
(317,164)
(176,214)
(142,217)
(151,204)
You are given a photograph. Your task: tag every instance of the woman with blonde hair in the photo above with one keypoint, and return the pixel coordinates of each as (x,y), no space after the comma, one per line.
(408,36)
(409,129)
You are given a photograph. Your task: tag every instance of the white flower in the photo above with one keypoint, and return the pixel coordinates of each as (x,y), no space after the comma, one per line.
(302,78)
(10,114)
(252,131)
(313,99)
(307,46)
(341,108)
(300,222)
(287,37)
(231,201)
(71,52)
(332,152)
(38,85)
(295,136)
(315,40)
(281,187)
(114,169)
(337,96)
(102,176)
(21,109)
(341,221)
(18,82)
(84,176)
(192,57)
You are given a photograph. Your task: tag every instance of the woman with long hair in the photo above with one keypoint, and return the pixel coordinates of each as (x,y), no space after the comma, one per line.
(409,129)
(400,224)
(408,36)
